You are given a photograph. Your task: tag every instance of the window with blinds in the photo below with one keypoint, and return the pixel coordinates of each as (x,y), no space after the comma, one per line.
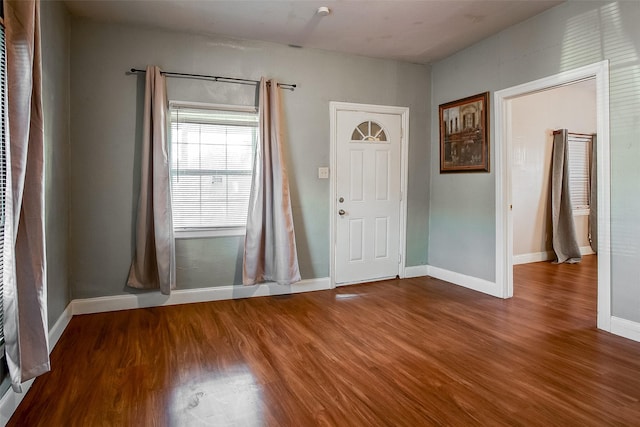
(212,150)
(579,153)
(3,168)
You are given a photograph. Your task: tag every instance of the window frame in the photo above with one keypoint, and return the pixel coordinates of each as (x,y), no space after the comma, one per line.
(206,232)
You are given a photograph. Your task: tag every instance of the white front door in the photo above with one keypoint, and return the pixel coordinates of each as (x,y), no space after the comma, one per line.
(368,193)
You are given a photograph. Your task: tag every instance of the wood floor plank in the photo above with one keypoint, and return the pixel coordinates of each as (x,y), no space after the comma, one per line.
(401,352)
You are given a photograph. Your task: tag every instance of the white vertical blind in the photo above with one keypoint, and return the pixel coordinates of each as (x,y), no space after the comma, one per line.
(211,166)
(579,152)
(3,168)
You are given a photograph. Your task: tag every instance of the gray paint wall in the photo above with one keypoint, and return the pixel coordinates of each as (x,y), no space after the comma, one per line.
(105,139)
(462,207)
(55,22)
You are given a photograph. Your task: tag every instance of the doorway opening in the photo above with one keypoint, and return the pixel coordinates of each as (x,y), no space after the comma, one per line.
(505,149)
(535,120)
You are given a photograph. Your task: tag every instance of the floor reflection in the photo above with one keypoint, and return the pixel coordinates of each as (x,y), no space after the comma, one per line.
(232,398)
(346,296)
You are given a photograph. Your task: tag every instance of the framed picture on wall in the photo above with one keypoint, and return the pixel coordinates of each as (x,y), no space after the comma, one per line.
(464,135)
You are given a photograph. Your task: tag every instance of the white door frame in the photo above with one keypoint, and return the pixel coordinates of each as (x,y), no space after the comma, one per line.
(503,164)
(334,108)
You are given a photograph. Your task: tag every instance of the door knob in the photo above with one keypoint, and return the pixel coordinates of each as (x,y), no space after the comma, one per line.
(341,212)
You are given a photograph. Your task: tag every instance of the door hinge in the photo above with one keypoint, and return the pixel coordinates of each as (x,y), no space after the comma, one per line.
(399,258)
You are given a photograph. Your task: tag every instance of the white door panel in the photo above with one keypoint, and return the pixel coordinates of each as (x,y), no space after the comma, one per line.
(368,151)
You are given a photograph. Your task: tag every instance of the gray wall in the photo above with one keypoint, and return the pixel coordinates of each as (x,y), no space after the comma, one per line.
(105,139)
(462,207)
(55,66)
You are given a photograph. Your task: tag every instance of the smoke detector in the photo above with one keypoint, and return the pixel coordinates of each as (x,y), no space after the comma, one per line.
(323,11)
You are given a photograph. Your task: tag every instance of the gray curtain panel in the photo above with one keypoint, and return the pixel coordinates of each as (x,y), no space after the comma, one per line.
(593,195)
(565,244)
(25,284)
(270,244)
(154,261)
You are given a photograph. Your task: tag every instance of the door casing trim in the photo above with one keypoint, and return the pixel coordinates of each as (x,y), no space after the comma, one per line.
(403,112)
(504,221)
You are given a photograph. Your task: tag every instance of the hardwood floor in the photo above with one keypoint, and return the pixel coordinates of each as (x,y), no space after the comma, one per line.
(402,352)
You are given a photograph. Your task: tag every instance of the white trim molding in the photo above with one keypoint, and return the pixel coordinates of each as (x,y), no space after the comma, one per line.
(465,281)
(10,401)
(533,257)
(625,328)
(586,250)
(545,256)
(416,271)
(61,324)
(209,233)
(502,167)
(186,296)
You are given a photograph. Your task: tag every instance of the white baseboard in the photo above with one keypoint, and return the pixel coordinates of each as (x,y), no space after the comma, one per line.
(185,296)
(622,327)
(545,256)
(463,280)
(416,271)
(58,328)
(459,279)
(533,257)
(10,401)
(586,250)
(625,328)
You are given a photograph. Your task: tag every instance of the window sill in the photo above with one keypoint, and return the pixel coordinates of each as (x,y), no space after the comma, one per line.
(211,232)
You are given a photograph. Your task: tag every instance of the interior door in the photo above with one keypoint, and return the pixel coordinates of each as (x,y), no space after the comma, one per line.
(368,196)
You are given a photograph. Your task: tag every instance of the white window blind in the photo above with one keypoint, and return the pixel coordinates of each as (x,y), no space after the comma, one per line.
(3,168)
(212,153)
(579,152)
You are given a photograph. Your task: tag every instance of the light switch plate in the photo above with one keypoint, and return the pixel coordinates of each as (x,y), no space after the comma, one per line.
(323,172)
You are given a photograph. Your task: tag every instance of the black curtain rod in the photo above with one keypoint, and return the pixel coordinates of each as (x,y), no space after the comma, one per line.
(223,79)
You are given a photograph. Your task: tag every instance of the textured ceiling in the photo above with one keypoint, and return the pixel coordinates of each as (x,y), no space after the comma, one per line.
(414,31)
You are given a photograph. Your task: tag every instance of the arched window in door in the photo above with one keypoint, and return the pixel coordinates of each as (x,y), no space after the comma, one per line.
(368,132)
